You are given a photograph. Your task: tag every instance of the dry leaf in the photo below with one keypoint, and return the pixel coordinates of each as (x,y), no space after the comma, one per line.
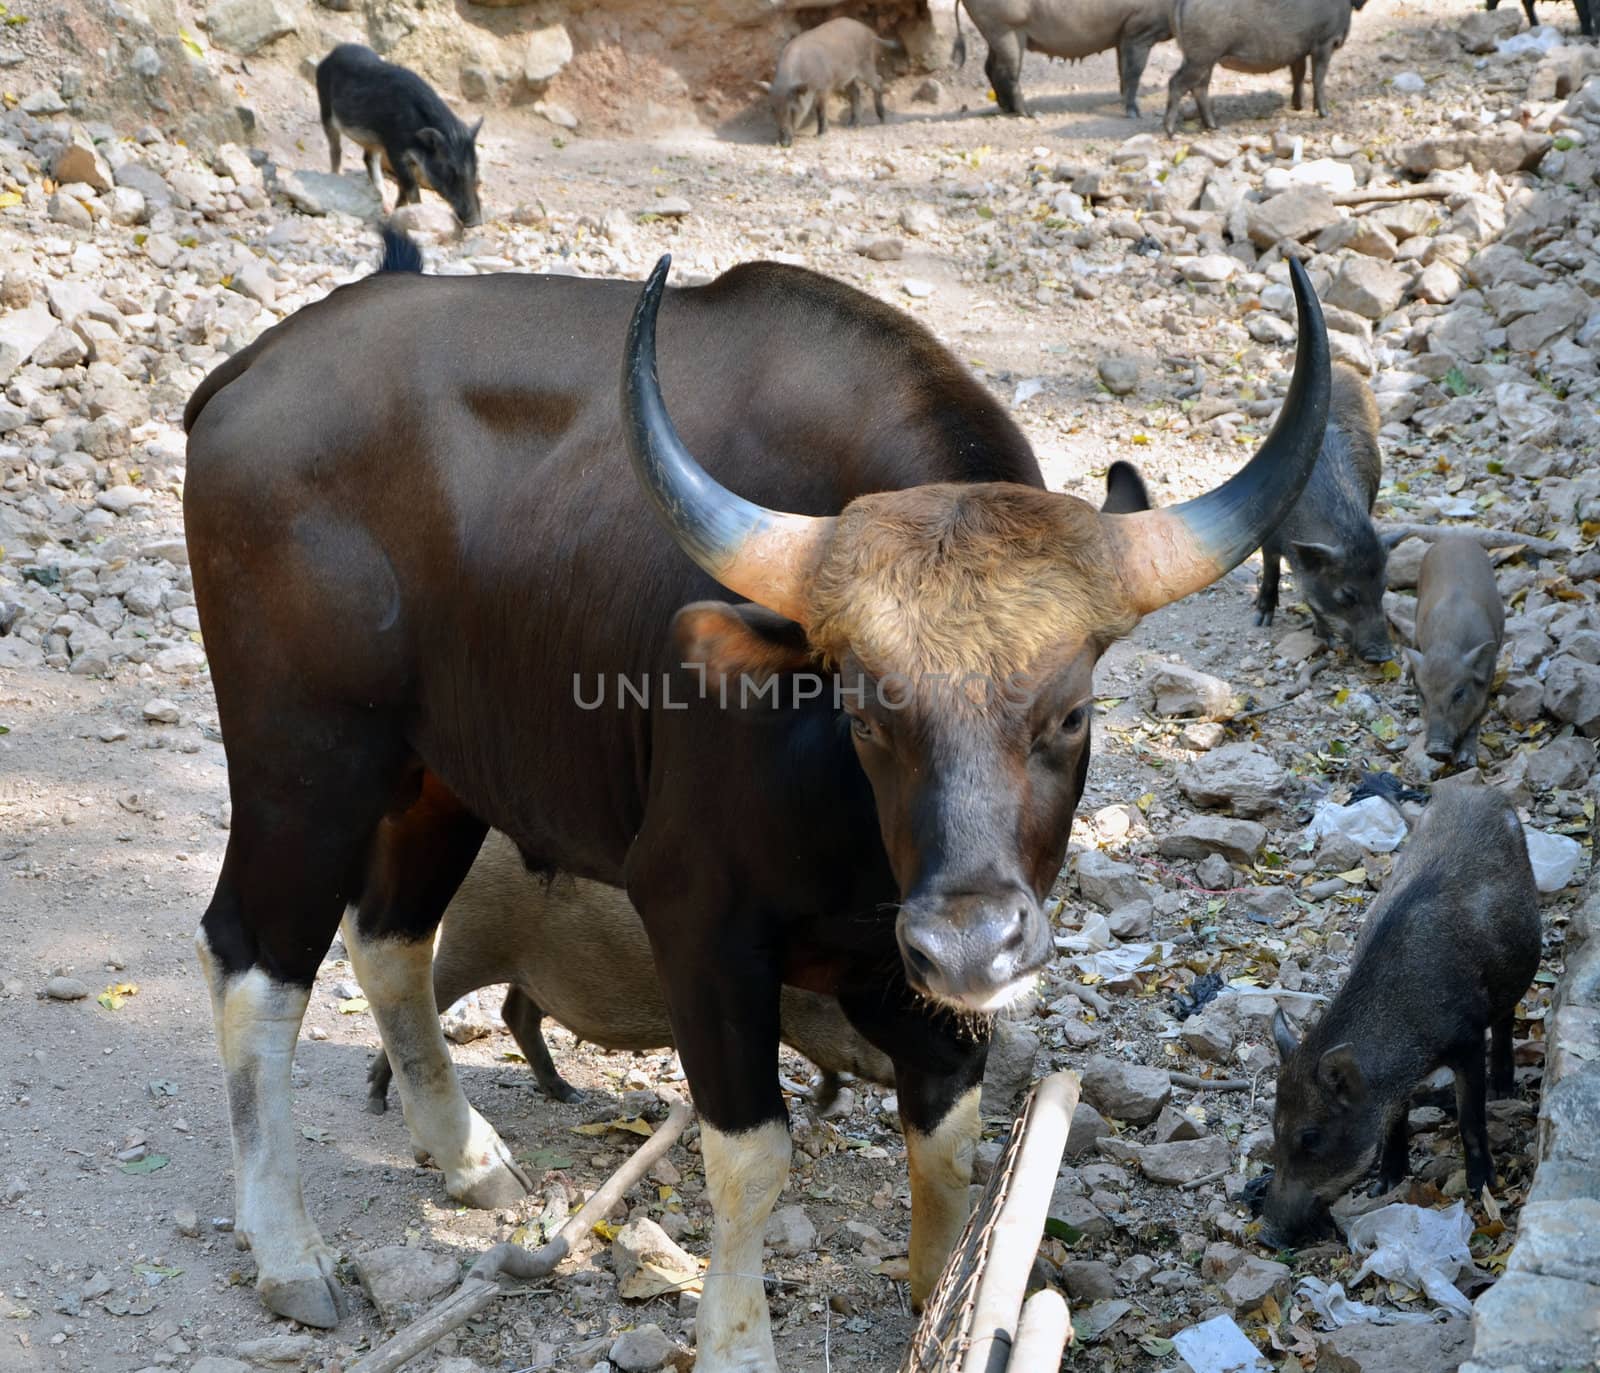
(353,1005)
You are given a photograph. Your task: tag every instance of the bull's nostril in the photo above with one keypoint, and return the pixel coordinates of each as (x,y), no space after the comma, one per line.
(1017,934)
(919,965)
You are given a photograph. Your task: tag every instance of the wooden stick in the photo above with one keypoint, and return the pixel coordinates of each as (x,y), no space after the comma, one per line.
(1193,1183)
(1489,538)
(1042,1333)
(997,1302)
(1426,191)
(481,1286)
(1206,1084)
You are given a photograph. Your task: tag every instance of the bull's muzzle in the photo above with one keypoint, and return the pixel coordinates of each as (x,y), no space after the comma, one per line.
(975,950)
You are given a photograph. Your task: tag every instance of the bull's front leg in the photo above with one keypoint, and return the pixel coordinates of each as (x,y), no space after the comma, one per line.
(722,994)
(938,1064)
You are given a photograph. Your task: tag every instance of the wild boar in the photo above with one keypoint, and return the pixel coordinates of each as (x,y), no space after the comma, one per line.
(402,126)
(1585,19)
(839,56)
(1329,539)
(1070,29)
(1461,622)
(577,952)
(1254,36)
(1447,951)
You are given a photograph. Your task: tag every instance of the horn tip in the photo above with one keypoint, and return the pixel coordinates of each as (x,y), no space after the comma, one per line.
(658,274)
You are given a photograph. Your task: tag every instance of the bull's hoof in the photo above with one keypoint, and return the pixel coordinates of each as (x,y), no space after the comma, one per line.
(494,1180)
(562,1090)
(1264,617)
(310,1295)
(377,1103)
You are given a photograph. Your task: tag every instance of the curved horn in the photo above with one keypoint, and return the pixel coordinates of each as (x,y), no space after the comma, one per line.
(1168,554)
(763,555)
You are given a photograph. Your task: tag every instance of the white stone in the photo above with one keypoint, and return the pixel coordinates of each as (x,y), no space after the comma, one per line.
(1556,859)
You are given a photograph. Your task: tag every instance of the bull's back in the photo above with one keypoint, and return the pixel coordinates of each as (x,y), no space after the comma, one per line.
(440,462)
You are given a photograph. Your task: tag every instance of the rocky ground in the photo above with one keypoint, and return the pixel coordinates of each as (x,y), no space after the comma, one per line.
(1127,296)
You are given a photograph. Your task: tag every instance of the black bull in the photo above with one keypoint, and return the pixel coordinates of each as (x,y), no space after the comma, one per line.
(420,560)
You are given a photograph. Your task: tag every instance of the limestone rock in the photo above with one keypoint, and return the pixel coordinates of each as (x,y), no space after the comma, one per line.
(1177,689)
(323,193)
(549,49)
(1295,214)
(247,26)
(1106,883)
(398,1276)
(1239,841)
(1241,777)
(1370,288)
(1184,1160)
(1125,1091)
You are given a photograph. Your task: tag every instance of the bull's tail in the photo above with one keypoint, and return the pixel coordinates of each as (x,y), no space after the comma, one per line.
(1177,20)
(400,254)
(958,54)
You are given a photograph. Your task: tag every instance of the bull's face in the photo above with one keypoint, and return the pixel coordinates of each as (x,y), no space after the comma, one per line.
(964,622)
(975,783)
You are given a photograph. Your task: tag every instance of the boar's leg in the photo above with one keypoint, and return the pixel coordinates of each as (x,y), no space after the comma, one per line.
(1319,78)
(1585,18)
(1395,1160)
(1004,70)
(1132,55)
(375,171)
(877,99)
(1297,74)
(405,176)
(855,104)
(335,146)
(1472,1117)
(1271,570)
(1502,1070)
(523,1017)
(822,113)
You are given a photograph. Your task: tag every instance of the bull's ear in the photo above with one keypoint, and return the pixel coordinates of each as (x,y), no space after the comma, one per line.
(1125,490)
(1283,1036)
(731,641)
(1340,1075)
(431,139)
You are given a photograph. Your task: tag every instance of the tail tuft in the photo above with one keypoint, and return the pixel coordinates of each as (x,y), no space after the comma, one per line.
(400,254)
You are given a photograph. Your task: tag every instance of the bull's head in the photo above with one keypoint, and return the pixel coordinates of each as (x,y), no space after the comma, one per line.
(1011,590)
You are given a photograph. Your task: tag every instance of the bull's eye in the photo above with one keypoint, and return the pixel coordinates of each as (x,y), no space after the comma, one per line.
(862,727)
(1075,719)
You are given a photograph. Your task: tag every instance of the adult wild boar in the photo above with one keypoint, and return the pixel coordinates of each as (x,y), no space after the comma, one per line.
(576,951)
(1070,29)
(402,127)
(746,685)
(1446,953)
(833,58)
(1254,36)
(1461,621)
(1329,539)
(1585,17)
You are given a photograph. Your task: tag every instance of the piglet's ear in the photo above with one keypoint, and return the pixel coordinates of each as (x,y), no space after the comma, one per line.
(472,133)
(734,641)
(1283,1036)
(431,139)
(1341,1076)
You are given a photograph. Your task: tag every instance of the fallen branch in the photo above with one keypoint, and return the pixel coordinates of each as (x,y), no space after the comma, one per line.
(1426,191)
(1193,1183)
(482,1285)
(1392,534)
(1203,1084)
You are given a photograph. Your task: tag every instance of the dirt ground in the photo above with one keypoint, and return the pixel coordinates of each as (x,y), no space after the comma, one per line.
(112,829)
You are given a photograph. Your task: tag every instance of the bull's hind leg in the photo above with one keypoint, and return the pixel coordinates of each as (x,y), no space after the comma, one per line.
(418,859)
(307,791)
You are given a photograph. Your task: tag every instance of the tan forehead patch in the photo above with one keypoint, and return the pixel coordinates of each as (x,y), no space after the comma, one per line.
(987,578)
